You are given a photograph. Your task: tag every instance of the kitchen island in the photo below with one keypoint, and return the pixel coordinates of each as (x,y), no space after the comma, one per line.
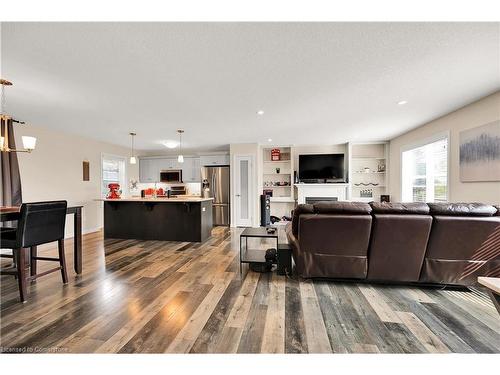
(167,219)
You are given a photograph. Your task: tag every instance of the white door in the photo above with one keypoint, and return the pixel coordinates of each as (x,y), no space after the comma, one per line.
(243,191)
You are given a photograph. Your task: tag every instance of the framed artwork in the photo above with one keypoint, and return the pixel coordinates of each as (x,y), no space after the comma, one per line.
(86,170)
(480,153)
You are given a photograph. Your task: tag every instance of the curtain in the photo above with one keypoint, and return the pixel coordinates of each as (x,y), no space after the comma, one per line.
(10,189)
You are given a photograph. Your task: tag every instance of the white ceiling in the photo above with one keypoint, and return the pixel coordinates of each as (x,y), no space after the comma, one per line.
(318,83)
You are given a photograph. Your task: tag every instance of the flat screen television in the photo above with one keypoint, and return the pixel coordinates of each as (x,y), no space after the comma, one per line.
(321,168)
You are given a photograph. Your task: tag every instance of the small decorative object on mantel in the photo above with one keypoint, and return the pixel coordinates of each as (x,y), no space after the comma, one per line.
(275,154)
(480,153)
(86,170)
(278,170)
(368,193)
(114,191)
(366,170)
(381,168)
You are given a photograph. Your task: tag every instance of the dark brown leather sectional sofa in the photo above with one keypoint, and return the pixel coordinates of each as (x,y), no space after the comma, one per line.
(435,243)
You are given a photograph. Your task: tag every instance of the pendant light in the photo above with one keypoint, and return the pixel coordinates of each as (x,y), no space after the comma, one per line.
(29,143)
(180,158)
(133,159)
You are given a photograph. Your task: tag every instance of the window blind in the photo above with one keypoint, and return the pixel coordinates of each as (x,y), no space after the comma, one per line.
(425,172)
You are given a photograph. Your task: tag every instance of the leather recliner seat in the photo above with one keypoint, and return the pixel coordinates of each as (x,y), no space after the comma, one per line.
(330,239)
(464,244)
(399,239)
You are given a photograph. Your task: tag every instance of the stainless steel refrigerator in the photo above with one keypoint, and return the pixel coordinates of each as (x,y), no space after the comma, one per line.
(215,184)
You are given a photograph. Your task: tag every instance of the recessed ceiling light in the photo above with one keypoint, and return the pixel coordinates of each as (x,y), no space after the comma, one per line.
(402,102)
(170,144)
(260,112)
(269,140)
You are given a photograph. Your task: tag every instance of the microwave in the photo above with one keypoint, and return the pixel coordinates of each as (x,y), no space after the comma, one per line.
(172,175)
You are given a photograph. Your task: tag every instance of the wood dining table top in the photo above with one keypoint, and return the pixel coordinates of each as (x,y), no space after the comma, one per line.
(8,209)
(8,213)
(12,213)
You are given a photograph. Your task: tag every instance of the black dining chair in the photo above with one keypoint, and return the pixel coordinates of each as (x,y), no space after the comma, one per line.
(39,223)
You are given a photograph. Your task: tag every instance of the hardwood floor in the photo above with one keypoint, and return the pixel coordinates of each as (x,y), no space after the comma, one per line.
(173,297)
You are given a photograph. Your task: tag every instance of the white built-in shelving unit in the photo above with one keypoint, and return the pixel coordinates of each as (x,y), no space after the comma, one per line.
(368,171)
(277,176)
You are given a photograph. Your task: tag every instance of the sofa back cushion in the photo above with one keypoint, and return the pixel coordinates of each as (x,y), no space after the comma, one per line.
(462,209)
(400,208)
(398,245)
(328,208)
(299,210)
(458,244)
(343,208)
(335,245)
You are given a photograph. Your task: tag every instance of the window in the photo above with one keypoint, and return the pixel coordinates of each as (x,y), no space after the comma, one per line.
(425,171)
(112,171)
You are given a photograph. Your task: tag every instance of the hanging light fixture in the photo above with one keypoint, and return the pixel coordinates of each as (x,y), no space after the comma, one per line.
(29,143)
(133,159)
(180,158)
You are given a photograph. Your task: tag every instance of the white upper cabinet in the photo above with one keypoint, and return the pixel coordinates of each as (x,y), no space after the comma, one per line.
(191,170)
(149,170)
(210,160)
(196,170)
(168,164)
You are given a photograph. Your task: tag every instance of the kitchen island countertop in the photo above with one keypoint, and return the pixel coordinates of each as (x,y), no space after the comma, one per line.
(158,200)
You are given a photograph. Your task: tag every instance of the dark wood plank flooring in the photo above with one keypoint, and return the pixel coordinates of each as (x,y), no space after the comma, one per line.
(178,297)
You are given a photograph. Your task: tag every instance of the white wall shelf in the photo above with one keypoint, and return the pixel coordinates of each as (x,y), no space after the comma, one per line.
(374,157)
(282,201)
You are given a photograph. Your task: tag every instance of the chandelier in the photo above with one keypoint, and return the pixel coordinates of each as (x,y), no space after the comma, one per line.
(29,143)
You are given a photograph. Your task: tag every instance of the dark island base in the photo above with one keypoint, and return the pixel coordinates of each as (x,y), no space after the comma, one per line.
(163,221)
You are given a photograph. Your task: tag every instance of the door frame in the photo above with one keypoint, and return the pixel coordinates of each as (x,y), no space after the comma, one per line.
(251,168)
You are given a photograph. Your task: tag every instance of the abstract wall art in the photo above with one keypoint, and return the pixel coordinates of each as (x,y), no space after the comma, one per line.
(480,153)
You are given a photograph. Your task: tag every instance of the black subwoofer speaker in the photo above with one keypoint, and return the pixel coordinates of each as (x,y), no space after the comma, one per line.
(265,210)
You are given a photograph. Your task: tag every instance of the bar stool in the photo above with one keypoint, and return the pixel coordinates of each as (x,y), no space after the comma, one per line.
(39,223)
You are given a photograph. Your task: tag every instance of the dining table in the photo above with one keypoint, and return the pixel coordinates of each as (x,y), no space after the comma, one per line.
(12,213)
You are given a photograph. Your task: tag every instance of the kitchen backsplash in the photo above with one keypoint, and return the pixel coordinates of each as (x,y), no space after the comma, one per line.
(192,188)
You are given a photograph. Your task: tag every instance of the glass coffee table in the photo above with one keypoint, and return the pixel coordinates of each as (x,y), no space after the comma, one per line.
(249,255)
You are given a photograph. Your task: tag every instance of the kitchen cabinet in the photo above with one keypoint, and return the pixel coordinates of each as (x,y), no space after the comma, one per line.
(211,160)
(149,170)
(191,170)
(196,170)
(166,164)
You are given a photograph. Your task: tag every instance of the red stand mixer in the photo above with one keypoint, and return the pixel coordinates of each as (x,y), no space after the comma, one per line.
(114,191)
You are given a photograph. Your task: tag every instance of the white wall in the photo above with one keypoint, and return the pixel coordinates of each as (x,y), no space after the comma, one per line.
(478,113)
(54,171)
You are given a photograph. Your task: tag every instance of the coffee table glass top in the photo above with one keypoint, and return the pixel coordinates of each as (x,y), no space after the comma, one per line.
(259,232)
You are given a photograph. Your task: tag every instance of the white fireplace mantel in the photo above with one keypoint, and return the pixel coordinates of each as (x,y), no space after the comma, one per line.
(332,190)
